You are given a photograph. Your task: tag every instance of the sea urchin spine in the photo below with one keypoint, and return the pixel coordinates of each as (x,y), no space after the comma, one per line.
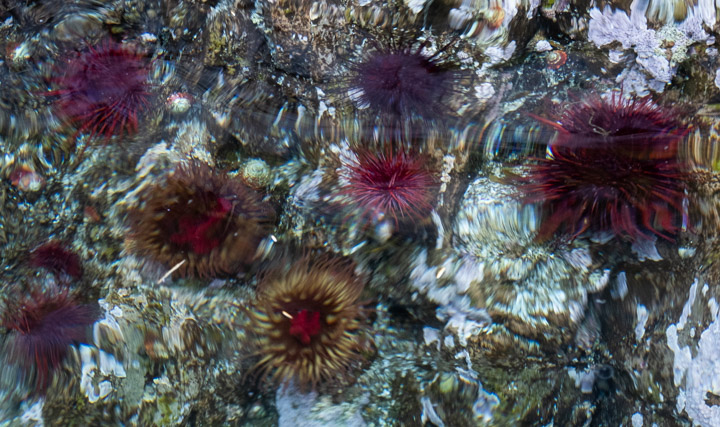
(309,324)
(400,81)
(613,167)
(54,257)
(201,220)
(393,183)
(41,327)
(103,90)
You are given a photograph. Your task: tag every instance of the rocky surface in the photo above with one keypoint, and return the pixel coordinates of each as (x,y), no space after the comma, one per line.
(474,320)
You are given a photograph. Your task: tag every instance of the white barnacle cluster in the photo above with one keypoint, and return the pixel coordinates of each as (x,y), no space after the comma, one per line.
(303,196)
(181,333)
(488,22)
(497,270)
(696,365)
(441,284)
(107,331)
(507,272)
(194,140)
(98,370)
(653,55)
(308,409)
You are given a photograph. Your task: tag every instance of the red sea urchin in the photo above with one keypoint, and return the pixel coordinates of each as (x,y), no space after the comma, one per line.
(201,218)
(309,324)
(41,326)
(613,167)
(103,90)
(393,183)
(402,80)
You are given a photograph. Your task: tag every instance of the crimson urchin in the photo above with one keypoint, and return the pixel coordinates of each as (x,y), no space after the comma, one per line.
(56,258)
(402,79)
(393,183)
(103,90)
(42,325)
(613,167)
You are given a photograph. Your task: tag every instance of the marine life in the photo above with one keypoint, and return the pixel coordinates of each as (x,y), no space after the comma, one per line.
(103,90)
(556,59)
(179,102)
(533,288)
(401,80)
(56,258)
(393,183)
(42,325)
(309,323)
(613,167)
(344,213)
(201,218)
(25,178)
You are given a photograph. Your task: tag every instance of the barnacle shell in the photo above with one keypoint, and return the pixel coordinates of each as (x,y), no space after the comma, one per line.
(178,103)
(533,287)
(26,178)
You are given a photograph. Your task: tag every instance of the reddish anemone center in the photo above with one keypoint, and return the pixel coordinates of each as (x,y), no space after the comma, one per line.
(197,232)
(305,325)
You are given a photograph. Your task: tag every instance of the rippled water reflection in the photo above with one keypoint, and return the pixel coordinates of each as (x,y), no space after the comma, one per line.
(334,213)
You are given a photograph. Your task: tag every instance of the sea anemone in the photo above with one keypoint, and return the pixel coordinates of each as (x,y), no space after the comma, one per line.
(199,220)
(390,183)
(103,90)
(42,325)
(56,258)
(613,167)
(309,324)
(400,80)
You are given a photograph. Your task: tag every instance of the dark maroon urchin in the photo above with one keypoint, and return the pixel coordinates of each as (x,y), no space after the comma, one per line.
(613,167)
(103,90)
(42,325)
(391,183)
(56,258)
(644,128)
(401,80)
(202,218)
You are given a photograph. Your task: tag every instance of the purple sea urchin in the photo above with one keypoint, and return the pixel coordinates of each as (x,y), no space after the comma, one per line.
(402,80)
(103,90)
(41,327)
(309,324)
(612,167)
(54,257)
(201,218)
